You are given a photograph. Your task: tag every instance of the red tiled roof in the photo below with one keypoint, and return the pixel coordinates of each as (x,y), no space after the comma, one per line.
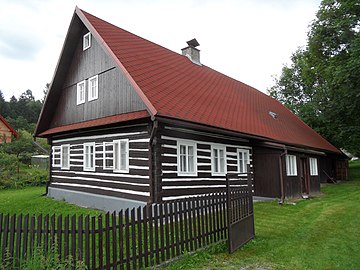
(13,131)
(98,122)
(172,86)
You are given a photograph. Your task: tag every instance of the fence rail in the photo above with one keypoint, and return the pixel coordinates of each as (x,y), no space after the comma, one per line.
(130,239)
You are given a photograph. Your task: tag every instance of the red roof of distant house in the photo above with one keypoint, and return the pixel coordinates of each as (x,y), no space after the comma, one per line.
(98,122)
(172,86)
(13,131)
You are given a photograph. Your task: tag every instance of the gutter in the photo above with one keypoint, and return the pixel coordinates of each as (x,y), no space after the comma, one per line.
(282,186)
(152,143)
(40,147)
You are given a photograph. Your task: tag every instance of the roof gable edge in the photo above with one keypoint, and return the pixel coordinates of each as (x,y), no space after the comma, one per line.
(12,130)
(53,80)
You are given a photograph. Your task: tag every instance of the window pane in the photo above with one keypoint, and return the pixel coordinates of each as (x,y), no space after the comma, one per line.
(222,160)
(182,163)
(241,162)
(116,156)
(182,149)
(182,158)
(216,160)
(91,156)
(82,92)
(123,155)
(191,167)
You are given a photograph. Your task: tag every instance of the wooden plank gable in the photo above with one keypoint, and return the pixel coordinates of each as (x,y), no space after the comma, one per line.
(116,94)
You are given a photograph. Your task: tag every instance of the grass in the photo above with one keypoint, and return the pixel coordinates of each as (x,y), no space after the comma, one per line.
(30,201)
(321,233)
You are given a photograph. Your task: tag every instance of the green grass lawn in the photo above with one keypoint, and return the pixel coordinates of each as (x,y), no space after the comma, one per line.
(30,201)
(320,233)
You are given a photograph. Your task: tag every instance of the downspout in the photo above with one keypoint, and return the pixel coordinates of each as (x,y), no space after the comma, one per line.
(152,159)
(50,164)
(282,186)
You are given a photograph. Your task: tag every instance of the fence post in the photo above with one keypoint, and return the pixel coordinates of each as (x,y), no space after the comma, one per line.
(228,209)
(250,195)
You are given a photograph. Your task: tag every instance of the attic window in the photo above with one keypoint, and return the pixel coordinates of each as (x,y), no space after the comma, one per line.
(93,88)
(273,114)
(80,93)
(86,41)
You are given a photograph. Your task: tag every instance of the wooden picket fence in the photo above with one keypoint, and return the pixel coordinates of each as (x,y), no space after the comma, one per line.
(129,239)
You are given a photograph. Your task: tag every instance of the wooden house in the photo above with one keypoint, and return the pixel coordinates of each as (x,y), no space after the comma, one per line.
(6,131)
(131,122)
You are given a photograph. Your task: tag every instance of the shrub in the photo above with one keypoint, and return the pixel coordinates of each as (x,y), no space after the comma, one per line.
(12,176)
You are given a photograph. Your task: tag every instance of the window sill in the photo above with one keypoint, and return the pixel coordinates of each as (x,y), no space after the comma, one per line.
(121,171)
(186,174)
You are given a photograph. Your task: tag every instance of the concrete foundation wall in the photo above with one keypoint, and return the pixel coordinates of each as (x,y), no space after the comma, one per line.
(106,203)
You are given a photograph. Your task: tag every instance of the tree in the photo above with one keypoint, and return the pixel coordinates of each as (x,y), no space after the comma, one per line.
(45,92)
(4,106)
(322,83)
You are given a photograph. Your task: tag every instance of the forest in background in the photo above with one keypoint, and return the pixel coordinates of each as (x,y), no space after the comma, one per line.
(22,113)
(15,158)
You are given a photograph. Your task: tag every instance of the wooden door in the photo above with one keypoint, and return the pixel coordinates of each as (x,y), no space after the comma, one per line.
(305,176)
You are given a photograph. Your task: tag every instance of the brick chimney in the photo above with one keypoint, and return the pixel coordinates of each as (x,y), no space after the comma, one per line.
(191,52)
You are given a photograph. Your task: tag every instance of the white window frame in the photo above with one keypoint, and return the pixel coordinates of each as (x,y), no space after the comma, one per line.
(56,151)
(118,154)
(86,41)
(187,144)
(242,162)
(105,157)
(86,167)
(80,97)
(291,165)
(91,95)
(313,167)
(66,165)
(218,148)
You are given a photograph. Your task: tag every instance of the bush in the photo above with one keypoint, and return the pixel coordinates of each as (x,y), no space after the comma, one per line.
(11,177)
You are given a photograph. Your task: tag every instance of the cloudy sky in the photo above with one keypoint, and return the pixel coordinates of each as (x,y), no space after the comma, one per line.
(249,40)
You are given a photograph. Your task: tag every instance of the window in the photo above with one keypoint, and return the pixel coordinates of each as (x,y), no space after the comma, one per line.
(86,41)
(65,156)
(121,156)
(89,157)
(93,88)
(56,156)
(186,157)
(291,169)
(243,160)
(313,166)
(218,159)
(108,156)
(80,93)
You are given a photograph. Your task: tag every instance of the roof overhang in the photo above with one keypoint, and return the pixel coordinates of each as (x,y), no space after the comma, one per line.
(110,120)
(263,141)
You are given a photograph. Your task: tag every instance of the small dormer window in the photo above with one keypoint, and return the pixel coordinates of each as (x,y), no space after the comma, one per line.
(273,114)
(86,41)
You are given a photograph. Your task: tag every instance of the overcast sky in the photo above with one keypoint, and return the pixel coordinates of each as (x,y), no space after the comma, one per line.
(249,40)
